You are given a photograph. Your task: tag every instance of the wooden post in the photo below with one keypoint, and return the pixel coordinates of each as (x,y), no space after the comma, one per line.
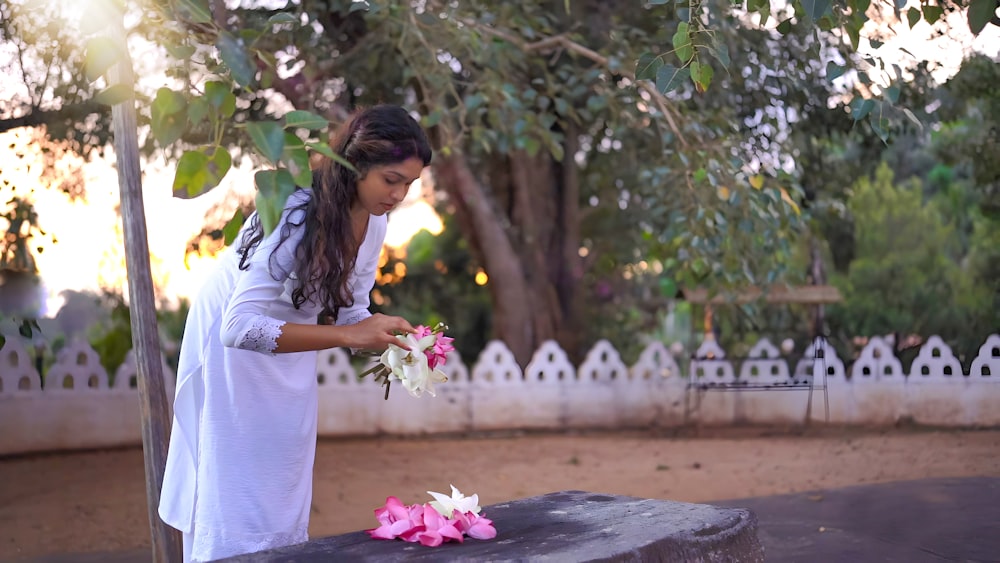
(142,307)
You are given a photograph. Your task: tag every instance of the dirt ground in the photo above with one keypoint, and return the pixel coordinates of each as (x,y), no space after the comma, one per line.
(95,501)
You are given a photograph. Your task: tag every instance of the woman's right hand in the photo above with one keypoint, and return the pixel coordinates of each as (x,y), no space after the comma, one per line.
(378,331)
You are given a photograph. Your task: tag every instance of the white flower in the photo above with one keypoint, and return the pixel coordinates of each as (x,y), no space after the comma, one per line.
(410,366)
(457,501)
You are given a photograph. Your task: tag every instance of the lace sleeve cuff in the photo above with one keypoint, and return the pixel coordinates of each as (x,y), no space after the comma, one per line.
(262,336)
(354,317)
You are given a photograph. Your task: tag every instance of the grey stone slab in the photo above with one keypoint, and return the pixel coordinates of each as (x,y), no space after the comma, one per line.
(563,526)
(950,519)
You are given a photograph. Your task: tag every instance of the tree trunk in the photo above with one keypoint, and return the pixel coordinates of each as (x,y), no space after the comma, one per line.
(166,541)
(512,319)
(525,231)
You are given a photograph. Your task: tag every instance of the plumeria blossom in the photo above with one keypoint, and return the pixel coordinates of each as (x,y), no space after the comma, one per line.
(457,502)
(412,367)
(433,523)
(398,520)
(475,526)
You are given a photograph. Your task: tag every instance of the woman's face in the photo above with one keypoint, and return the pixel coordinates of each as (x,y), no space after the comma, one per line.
(385,186)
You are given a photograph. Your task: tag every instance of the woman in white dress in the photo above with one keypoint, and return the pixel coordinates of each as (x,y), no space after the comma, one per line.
(239,467)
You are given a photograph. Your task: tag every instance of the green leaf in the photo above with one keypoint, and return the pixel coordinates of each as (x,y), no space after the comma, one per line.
(25,329)
(474,101)
(268,137)
(854,33)
(786,25)
(932,13)
(881,127)
(180,51)
(197,110)
(657,2)
(859,7)
(167,119)
(762,7)
(861,107)
(305,120)
(682,42)
(980,14)
(273,189)
(221,98)
(236,58)
(282,17)
(432,119)
(296,158)
(646,67)
(322,148)
(720,51)
(702,76)
(114,95)
(913,118)
(669,78)
(913,16)
(102,52)
(815,9)
(325,150)
(201,170)
(531,145)
(195,10)
(834,71)
(892,94)
(169,102)
(232,228)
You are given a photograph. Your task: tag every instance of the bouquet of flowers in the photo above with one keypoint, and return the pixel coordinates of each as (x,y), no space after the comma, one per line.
(415,368)
(433,523)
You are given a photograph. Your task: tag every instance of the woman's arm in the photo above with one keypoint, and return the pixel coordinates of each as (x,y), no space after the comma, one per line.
(246,325)
(374,333)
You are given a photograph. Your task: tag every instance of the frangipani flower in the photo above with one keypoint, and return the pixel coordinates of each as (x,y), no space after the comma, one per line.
(437,354)
(475,526)
(415,368)
(411,366)
(429,524)
(456,502)
(398,520)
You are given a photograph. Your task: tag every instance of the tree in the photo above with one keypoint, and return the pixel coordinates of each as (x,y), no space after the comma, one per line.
(536,112)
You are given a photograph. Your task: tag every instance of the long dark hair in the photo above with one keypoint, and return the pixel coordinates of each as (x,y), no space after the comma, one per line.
(325,256)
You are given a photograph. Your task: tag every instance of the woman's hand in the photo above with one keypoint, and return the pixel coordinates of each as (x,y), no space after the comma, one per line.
(378,331)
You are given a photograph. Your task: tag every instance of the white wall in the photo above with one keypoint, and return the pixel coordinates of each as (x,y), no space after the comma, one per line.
(550,393)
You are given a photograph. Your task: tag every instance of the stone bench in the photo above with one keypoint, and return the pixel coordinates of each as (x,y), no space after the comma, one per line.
(563,526)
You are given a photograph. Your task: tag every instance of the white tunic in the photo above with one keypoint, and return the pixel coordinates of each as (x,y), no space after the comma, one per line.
(239,468)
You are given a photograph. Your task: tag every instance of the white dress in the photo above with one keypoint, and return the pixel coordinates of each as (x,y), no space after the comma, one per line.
(239,467)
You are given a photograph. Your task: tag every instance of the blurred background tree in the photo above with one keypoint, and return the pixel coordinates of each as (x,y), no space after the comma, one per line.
(581,192)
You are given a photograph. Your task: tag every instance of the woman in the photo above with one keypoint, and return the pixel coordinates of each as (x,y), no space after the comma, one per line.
(239,468)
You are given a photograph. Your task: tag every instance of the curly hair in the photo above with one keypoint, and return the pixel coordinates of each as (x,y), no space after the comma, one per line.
(326,254)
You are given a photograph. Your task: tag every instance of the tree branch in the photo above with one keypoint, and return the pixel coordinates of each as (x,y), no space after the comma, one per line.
(561,40)
(42,117)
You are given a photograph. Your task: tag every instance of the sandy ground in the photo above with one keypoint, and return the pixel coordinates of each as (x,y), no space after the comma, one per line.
(95,501)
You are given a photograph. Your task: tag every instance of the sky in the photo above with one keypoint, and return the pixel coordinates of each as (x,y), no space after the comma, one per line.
(83,247)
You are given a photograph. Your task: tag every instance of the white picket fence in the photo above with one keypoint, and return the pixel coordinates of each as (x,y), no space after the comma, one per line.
(78,409)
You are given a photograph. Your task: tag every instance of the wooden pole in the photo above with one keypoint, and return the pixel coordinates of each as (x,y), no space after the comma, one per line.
(142,307)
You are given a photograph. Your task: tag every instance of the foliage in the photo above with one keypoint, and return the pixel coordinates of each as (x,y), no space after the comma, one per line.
(904,278)
(433,280)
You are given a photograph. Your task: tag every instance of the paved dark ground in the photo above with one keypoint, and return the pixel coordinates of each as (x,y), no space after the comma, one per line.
(906,522)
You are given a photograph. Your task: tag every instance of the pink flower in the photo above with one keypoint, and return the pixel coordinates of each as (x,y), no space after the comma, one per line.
(398,521)
(425,524)
(438,353)
(423,331)
(438,529)
(476,526)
